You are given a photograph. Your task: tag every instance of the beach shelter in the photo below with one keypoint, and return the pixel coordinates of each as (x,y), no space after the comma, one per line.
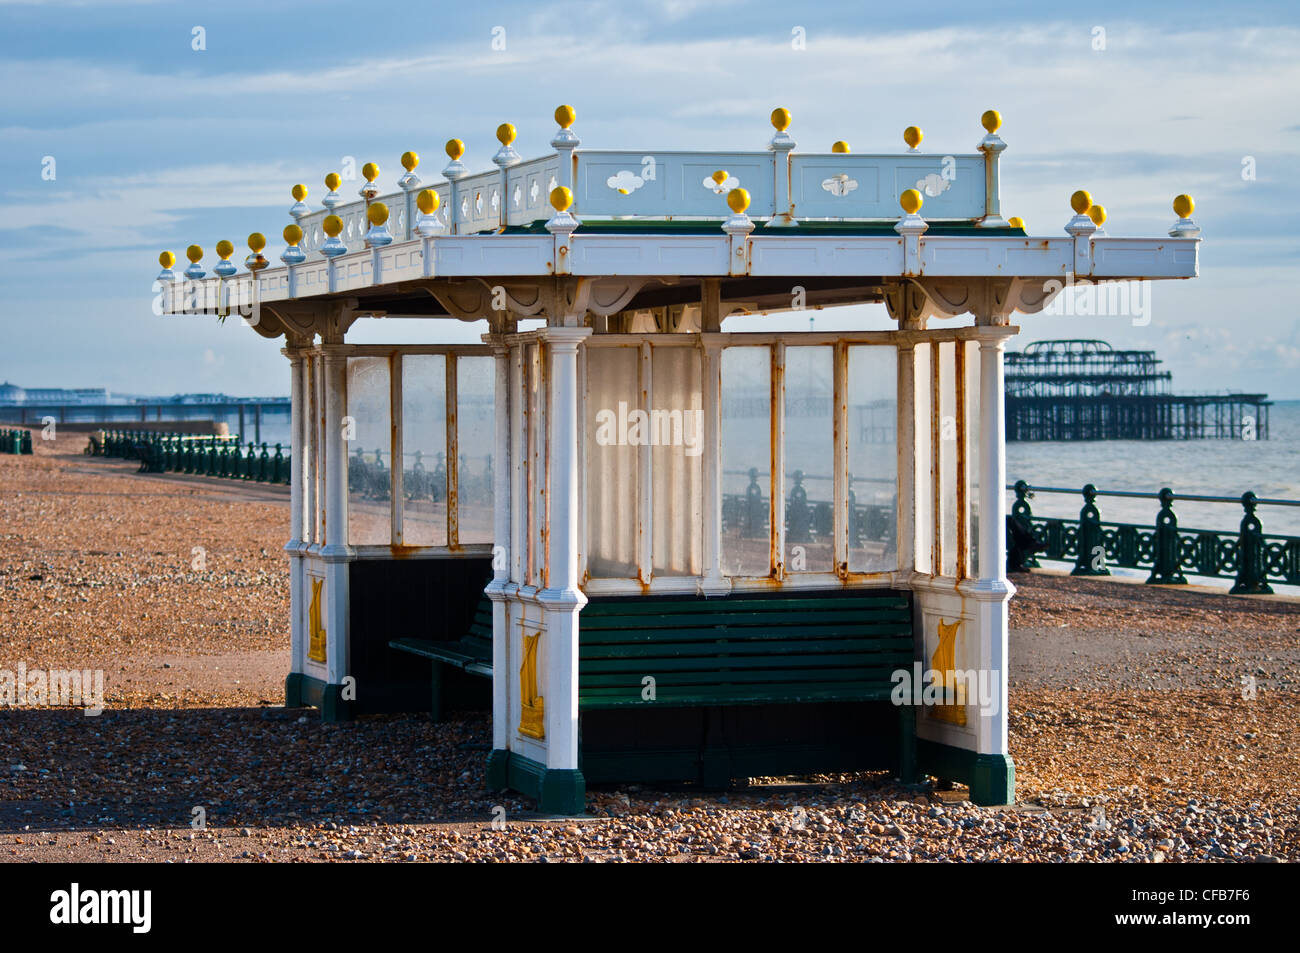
(665,551)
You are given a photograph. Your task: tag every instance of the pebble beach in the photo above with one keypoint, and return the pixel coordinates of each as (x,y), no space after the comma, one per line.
(1134,735)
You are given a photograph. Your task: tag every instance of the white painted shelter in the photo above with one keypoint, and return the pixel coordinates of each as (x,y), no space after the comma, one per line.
(672,551)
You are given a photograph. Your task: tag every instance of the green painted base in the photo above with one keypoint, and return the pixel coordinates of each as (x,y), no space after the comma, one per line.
(556,791)
(498,762)
(1257,589)
(1076,571)
(993,780)
(563,792)
(304,691)
(293,697)
(990,777)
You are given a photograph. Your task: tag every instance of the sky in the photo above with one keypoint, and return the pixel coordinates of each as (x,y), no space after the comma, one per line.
(119,138)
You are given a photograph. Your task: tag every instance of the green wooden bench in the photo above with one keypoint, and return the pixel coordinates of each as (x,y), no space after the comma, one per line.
(742,650)
(471,653)
(780,658)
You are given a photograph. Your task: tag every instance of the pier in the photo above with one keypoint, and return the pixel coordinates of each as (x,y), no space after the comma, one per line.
(1086,390)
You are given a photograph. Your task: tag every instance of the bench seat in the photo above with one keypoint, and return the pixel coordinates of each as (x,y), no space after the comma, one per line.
(742,650)
(472,653)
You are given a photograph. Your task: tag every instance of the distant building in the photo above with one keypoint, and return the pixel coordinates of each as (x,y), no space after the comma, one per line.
(13,395)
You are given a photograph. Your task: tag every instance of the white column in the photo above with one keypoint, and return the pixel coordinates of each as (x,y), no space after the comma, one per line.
(562,598)
(336,553)
(297,502)
(993,590)
(501,542)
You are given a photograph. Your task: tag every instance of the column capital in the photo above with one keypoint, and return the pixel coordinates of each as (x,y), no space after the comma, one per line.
(562,339)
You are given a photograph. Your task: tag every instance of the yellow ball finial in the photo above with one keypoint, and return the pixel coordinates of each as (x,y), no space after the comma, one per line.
(1184,206)
(565,116)
(561,198)
(333,181)
(1098,215)
(1081,201)
(991,121)
(292,234)
(194,253)
(738,200)
(166,259)
(410,160)
(299,192)
(910,201)
(370,171)
(913,135)
(781,119)
(377,214)
(1015,221)
(505,134)
(721,176)
(225,249)
(840,146)
(455,149)
(256,242)
(428,201)
(332,225)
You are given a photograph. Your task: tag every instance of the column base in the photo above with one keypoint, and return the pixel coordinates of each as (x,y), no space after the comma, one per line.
(990,777)
(497,775)
(304,691)
(293,697)
(993,780)
(556,790)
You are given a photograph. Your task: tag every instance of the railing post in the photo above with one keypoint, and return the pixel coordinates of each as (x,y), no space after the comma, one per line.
(753,524)
(797,517)
(1023,516)
(1091,558)
(1166,570)
(1251,571)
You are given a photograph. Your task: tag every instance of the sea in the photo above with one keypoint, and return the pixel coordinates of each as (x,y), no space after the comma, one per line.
(1270,468)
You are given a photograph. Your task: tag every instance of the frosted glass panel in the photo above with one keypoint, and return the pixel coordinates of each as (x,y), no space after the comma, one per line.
(873,458)
(809,458)
(746,461)
(676,453)
(476,433)
(369,450)
(613,475)
(424,449)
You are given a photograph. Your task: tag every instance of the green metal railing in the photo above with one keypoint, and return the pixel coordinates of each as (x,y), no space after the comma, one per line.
(806,521)
(1248,556)
(16,441)
(216,456)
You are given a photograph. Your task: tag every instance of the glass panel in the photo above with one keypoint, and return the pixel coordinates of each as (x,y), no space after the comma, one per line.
(476,435)
(613,479)
(948,442)
(424,449)
(369,449)
(873,458)
(809,458)
(746,460)
(676,453)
